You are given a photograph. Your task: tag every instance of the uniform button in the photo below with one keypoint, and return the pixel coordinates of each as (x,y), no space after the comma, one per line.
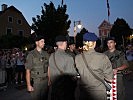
(37,72)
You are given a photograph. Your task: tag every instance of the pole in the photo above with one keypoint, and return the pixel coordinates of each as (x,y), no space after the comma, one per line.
(108,7)
(62,1)
(108,19)
(75,28)
(74,31)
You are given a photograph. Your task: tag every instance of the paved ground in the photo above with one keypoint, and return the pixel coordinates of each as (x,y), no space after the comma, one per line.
(129,87)
(14,93)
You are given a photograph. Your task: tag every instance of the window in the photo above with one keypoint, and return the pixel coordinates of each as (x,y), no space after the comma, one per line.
(10,19)
(9,31)
(100,32)
(19,22)
(20,32)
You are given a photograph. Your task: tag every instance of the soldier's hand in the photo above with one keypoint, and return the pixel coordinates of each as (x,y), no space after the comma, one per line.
(30,88)
(115,71)
(49,82)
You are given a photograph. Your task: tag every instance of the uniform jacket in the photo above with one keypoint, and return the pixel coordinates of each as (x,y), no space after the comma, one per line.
(37,63)
(100,65)
(64,62)
(117,58)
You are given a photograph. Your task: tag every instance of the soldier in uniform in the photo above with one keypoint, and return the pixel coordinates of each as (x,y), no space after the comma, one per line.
(36,70)
(73,52)
(119,64)
(60,63)
(72,49)
(90,87)
(63,60)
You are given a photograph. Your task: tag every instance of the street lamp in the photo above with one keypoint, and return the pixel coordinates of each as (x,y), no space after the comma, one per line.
(76,24)
(131,37)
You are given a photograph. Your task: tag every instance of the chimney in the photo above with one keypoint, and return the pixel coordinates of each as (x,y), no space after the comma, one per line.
(3,6)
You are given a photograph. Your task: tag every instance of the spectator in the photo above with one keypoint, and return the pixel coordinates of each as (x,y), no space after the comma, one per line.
(20,68)
(129,56)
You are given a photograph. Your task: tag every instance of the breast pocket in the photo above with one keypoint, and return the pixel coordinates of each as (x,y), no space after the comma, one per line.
(45,65)
(36,61)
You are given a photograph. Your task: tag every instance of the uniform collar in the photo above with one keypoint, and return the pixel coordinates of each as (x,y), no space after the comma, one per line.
(89,51)
(113,51)
(38,52)
(60,50)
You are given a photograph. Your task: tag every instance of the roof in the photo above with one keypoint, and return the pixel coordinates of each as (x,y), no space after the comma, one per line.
(15,9)
(11,7)
(103,24)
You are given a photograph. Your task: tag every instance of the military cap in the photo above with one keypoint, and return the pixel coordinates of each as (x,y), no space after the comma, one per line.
(39,37)
(70,42)
(111,38)
(90,37)
(60,38)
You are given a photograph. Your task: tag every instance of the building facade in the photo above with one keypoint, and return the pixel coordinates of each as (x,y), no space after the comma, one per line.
(13,22)
(104,29)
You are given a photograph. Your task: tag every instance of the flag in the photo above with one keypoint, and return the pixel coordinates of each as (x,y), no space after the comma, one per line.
(108,4)
(62,2)
(108,7)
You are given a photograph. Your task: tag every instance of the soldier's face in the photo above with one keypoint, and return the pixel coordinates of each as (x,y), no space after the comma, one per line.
(111,44)
(72,46)
(40,43)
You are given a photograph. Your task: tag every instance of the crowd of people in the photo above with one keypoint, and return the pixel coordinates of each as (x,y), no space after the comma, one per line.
(12,61)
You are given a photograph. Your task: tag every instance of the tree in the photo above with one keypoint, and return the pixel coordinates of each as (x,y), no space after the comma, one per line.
(51,22)
(10,41)
(120,31)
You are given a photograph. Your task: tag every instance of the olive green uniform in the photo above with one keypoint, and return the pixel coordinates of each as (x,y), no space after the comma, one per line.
(101,66)
(117,59)
(64,62)
(73,54)
(37,63)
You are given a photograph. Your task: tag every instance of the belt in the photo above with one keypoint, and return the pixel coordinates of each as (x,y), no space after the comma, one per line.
(40,78)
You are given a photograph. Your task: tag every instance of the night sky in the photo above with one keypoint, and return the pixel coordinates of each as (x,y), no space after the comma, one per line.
(90,12)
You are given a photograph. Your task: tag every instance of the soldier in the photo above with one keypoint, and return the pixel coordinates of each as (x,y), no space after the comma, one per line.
(72,49)
(60,63)
(90,87)
(119,64)
(63,60)
(36,70)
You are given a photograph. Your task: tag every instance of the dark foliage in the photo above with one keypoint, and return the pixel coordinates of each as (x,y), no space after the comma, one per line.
(120,31)
(51,22)
(10,41)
